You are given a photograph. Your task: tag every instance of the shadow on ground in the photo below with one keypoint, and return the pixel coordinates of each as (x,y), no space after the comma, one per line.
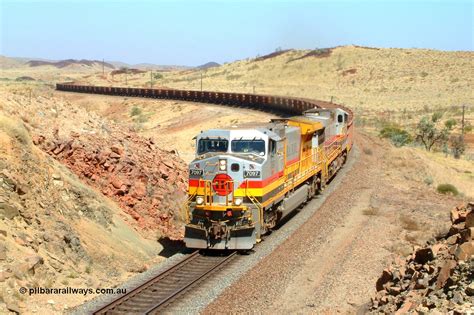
(172,247)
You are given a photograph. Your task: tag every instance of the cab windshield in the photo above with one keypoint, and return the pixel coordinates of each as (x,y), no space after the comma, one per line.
(212,145)
(248,146)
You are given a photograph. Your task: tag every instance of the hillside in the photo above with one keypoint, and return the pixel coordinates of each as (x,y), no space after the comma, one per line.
(54,230)
(9,63)
(77,200)
(364,78)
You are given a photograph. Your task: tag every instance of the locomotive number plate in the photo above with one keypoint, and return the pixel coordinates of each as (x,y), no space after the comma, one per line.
(195,172)
(251,174)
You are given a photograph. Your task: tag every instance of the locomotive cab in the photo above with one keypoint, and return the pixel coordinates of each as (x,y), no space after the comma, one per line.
(225,182)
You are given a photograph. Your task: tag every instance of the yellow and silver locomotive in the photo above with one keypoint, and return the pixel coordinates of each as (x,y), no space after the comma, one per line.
(244,180)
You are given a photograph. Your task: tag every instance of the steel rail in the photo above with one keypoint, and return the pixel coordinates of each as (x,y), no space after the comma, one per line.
(141,294)
(176,293)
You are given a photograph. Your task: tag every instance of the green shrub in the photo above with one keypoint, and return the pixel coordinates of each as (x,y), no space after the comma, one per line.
(467,128)
(157,76)
(401,139)
(397,136)
(450,123)
(135,111)
(141,119)
(436,116)
(447,189)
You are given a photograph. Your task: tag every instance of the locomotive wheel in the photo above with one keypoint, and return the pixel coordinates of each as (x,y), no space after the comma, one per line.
(322,185)
(313,188)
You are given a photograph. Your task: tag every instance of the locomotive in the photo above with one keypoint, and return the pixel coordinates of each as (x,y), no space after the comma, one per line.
(246,179)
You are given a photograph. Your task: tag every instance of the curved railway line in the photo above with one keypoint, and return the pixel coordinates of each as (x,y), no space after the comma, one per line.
(285,105)
(154,295)
(159,292)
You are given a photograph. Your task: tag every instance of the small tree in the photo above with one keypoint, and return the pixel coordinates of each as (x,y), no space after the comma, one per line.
(429,133)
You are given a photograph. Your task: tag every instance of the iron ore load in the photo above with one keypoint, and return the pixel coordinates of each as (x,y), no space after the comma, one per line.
(244,180)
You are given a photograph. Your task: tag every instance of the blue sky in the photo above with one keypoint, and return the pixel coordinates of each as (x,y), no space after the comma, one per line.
(195,32)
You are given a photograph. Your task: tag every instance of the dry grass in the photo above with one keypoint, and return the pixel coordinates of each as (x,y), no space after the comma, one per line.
(367,151)
(414,238)
(409,223)
(400,248)
(447,189)
(371,211)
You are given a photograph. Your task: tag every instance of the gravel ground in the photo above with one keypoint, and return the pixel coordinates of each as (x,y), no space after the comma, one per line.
(331,262)
(198,298)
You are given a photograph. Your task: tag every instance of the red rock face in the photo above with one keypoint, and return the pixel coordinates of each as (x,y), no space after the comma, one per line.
(147,182)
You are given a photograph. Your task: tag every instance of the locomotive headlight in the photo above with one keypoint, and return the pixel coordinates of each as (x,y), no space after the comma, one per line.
(199,200)
(238,201)
(222,165)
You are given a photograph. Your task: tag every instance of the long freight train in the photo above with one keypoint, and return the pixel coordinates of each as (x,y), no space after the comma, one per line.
(244,180)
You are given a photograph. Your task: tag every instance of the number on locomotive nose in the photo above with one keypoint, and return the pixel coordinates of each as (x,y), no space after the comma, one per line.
(251,174)
(195,172)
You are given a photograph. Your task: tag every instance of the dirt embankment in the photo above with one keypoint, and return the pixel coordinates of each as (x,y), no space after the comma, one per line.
(56,232)
(379,211)
(82,200)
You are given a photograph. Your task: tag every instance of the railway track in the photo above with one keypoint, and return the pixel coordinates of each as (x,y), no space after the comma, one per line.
(157,293)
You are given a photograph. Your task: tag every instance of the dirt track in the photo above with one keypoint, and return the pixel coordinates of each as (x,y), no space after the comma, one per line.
(332,262)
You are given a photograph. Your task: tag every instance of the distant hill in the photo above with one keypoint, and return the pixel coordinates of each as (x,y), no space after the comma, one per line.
(18,62)
(69,62)
(8,63)
(208,65)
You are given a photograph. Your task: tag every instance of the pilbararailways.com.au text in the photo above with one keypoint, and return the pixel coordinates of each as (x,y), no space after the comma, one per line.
(70,290)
